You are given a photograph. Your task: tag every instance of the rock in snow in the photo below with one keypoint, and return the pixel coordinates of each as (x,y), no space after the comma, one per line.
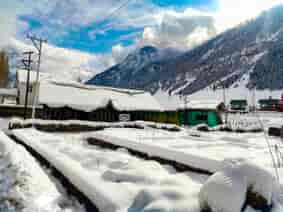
(236,186)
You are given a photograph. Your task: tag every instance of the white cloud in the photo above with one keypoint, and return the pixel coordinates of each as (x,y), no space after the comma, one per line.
(67,63)
(231,13)
(9,25)
(183,30)
(189,28)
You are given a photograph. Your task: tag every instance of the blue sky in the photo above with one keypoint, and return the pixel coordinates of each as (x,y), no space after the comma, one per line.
(79,37)
(81,42)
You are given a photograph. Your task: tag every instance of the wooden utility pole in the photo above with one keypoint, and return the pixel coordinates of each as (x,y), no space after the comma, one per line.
(27,63)
(4,69)
(37,42)
(222,85)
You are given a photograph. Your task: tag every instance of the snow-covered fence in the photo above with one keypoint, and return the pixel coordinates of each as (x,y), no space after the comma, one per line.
(242,123)
(84,126)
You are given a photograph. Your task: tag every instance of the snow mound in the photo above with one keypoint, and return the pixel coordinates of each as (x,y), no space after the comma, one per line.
(140,174)
(170,196)
(228,190)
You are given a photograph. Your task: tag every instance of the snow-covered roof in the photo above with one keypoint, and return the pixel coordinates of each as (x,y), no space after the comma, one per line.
(89,98)
(22,76)
(8,92)
(211,105)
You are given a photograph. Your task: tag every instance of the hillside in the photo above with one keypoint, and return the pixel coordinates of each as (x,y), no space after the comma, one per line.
(250,54)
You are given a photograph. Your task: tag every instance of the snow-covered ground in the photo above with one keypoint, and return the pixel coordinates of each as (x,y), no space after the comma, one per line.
(198,149)
(24,185)
(119,181)
(122,182)
(207,150)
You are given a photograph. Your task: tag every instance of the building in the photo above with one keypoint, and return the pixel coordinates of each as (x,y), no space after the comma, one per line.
(202,112)
(8,96)
(269,104)
(63,101)
(239,105)
(280,106)
(21,84)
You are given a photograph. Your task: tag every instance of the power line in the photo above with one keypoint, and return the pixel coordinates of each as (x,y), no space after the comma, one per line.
(113,12)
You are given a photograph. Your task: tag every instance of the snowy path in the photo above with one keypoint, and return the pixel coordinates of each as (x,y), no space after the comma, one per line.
(119,181)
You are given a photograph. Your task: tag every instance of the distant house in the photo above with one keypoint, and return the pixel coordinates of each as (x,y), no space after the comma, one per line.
(269,104)
(21,85)
(280,105)
(64,101)
(202,112)
(8,96)
(238,105)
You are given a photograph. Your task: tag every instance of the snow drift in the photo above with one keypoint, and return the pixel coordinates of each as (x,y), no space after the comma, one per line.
(238,185)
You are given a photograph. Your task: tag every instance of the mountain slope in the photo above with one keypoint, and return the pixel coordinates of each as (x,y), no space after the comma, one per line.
(121,74)
(250,53)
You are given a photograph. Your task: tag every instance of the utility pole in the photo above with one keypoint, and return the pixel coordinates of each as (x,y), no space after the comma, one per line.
(225,102)
(37,42)
(254,100)
(27,63)
(185,101)
(222,85)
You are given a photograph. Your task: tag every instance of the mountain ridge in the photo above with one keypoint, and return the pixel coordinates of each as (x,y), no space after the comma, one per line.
(251,52)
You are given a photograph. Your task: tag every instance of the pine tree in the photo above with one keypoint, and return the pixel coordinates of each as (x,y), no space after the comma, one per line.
(4,69)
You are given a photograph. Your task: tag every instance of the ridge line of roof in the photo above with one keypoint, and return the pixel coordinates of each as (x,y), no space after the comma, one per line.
(92,87)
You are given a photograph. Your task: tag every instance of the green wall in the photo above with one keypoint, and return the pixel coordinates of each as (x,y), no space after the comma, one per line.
(192,118)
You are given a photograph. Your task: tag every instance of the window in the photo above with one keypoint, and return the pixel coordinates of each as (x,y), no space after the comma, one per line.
(202,117)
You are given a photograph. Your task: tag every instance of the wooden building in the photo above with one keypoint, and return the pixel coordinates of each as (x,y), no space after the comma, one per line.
(280,106)
(239,105)
(202,112)
(63,101)
(269,104)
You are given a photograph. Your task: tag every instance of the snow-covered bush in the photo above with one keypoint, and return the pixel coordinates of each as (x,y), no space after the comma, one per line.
(238,185)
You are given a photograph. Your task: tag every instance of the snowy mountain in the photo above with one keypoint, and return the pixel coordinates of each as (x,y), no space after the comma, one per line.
(124,73)
(250,55)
